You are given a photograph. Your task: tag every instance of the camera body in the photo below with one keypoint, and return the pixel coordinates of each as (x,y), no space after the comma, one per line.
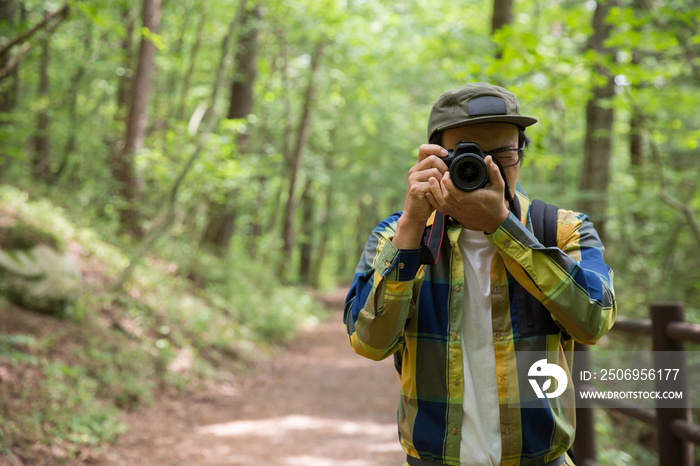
(468,170)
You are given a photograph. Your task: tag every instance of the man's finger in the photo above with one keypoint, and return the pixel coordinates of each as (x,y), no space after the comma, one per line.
(437,193)
(426,150)
(495,177)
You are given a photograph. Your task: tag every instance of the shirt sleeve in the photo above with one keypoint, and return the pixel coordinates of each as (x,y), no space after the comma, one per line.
(380,300)
(572,280)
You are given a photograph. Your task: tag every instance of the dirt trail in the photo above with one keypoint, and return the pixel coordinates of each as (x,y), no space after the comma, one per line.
(317,404)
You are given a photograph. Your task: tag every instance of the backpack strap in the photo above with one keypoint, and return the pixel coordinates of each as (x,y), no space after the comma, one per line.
(533,317)
(543,218)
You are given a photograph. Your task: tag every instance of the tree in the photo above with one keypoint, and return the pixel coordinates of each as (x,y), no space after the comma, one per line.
(41,160)
(8,94)
(502,14)
(124,167)
(309,97)
(595,172)
(222,217)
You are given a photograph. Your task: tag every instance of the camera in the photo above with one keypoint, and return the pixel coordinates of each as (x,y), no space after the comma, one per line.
(468,170)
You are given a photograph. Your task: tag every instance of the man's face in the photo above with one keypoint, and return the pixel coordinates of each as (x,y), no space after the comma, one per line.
(490,137)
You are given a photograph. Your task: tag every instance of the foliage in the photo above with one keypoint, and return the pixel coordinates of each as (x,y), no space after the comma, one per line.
(23,237)
(9,348)
(164,333)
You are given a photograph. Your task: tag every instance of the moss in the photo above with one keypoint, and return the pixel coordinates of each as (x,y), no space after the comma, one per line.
(23,237)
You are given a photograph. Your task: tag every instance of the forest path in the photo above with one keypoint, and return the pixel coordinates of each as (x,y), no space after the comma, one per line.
(315,404)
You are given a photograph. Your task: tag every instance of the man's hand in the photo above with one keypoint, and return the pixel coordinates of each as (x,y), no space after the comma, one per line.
(483,209)
(419,207)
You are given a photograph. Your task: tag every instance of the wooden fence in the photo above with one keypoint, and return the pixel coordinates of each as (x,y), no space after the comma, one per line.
(675,433)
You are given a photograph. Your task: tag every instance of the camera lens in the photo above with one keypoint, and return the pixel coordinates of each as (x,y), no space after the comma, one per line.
(468,172)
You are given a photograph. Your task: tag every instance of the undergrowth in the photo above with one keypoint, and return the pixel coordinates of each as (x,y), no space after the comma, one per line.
(181,320)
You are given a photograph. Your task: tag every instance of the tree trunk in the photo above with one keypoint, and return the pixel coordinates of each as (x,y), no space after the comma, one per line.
(8,93)
(287,229)
(502,16)
(325,235)
(41,158)
(126,46)
(636,141)
(307,233)
(220,226)
(595,174)
(125,169)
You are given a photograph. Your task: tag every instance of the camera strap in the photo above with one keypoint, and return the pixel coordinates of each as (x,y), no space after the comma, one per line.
(508,195)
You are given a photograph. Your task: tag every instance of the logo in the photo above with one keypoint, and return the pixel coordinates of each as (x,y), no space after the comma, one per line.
(542,368)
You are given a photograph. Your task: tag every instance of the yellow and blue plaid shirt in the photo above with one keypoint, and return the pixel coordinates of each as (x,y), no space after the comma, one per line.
(397,304)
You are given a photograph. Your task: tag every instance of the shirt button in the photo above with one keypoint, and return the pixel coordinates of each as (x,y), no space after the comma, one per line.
(401,265)
(495,289)
(454,336)
(505,428)
(457,382)
(387,264)
(502,380)
(506,243)
(454,431)
(458,288)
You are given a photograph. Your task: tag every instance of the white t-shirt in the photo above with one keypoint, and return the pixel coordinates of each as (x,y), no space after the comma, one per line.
(481,428)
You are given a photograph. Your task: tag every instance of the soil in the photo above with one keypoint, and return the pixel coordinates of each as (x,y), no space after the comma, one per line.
(317,403)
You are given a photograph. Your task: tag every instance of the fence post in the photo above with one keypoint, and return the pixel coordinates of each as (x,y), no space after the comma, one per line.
(673,451)
(584,441)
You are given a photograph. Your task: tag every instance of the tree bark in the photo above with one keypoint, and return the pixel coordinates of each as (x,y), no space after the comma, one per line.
(8,94)
(502,16)
(307,234)
(125,169)
(124,83)
(41,158)
(595,173)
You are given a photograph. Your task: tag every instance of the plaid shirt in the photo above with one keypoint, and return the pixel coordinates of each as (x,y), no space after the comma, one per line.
(397,304)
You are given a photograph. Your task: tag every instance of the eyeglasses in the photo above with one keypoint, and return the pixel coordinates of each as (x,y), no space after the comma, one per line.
(507,160)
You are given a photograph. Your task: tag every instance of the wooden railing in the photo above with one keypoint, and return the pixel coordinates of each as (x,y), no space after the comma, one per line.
(676,435)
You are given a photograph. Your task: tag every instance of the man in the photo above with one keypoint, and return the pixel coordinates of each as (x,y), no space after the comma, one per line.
(437,286)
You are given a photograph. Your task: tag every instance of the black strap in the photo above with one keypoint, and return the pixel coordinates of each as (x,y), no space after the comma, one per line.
(432,240)
(544,222)
(533,316)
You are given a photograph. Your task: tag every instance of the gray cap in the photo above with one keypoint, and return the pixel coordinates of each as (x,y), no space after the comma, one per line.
(475,103)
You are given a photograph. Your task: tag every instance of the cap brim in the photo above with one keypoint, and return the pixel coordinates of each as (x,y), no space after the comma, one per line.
(518,120)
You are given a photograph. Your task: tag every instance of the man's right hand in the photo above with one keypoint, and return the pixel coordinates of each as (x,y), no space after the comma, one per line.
(418,207)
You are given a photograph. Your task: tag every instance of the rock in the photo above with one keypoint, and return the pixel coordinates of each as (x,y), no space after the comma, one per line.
(40,279)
